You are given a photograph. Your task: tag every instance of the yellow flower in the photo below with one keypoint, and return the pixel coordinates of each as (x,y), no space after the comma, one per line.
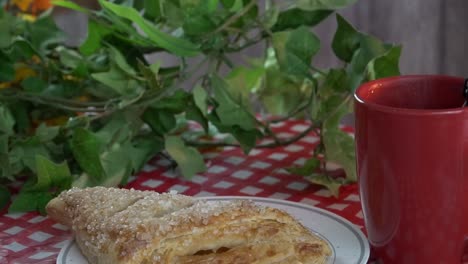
(57,121)
(69,77)
(83,98)
(23,5)
(27,17)
(36,59)
(32,6)
(22,72)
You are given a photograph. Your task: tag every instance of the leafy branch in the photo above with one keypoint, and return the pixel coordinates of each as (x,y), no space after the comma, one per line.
(96,113)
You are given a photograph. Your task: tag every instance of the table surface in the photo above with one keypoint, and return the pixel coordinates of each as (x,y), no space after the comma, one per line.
(33,238)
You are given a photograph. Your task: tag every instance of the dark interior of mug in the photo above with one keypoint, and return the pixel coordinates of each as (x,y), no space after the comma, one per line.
(414,92)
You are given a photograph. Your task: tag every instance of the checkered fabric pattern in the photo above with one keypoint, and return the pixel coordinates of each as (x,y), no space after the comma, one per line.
(32,238)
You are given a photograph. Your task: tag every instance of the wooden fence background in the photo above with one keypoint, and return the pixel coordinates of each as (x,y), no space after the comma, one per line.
(434,33)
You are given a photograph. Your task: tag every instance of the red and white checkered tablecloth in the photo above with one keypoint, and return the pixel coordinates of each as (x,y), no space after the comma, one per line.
(32,238)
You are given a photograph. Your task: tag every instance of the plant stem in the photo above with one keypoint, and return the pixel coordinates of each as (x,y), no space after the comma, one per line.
(345,101)
(318,70)
(234,17)
(279,143)
(246,45)
(227,61)
(296,111)
(40,100)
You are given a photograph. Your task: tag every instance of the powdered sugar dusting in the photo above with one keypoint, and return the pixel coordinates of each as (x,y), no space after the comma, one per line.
(112,214)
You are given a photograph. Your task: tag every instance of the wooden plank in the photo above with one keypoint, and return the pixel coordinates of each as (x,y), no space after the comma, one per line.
(415,24)
(433,33)
(454,33)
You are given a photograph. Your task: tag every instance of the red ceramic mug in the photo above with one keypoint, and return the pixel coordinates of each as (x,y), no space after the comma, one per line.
(412,163)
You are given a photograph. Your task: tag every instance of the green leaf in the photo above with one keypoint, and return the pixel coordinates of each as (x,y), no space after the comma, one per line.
(346,40)
(295,49)
(236,6)
(5,160)
(295,17)
(46,133)
(248,18)
(336,82)
(333,109)
(26,151)
(30,201)
(7,121)
(174,103)
(50,175)
(120,61)
(195,7)
(160,121)
(310,166)
(332,185)
(271,17)
(4,144)
(178,46)
(86,148)
(116,164)
(33,85)
(330,95)
(155,67)
(321,4)
(5,197)
(173,14)
(233,5)
(7,21)
(197,25)
(120,127)
(69,57)
(21,49)
(150,73)
(10,164)
(7,73)
(200,97)
(339,148)
(229,111)
(189,159)
(137,4)
(242,81)
(20,111)
(246,138)
(385,65)
(194,113)
(369,48)
(228,3)
(70,5)
(143,149)
(302,44)
(44,33)
(280,94)
(96,32)
(118,81)
(152,9)
(65,89)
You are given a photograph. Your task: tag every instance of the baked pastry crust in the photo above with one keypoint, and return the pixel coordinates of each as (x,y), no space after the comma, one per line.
(117,226)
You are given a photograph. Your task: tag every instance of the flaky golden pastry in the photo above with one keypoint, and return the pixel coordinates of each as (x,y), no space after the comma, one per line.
(114,226)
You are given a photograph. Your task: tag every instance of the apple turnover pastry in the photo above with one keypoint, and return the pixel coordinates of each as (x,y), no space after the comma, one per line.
(113,226)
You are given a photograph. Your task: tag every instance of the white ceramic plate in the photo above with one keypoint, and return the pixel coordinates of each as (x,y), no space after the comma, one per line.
(349,244)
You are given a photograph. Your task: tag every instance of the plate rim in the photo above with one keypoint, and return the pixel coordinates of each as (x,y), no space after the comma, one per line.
(365,253)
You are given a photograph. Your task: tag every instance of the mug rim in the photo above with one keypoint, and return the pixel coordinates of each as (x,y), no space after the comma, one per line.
(407,111)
